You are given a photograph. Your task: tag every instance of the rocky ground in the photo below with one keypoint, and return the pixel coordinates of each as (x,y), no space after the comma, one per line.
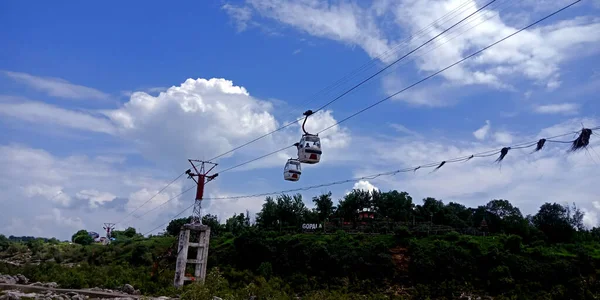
(51,291)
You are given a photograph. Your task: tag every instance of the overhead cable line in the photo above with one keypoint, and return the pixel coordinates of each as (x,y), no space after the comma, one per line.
(403,56)
(169,184)
(359,84)
(437,165)
(170,199)
(395,48)
(411,169)
(449,66)
(173,217)
(583,134)
(420,81)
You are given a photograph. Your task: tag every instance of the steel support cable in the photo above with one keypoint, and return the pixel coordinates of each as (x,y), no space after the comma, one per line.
(371,177)
(170,199)
(161,190)
(404,42)
(451,65)
(403,56)
(421,80)
(403,170)
(438,45)
(173,217)
(357,85)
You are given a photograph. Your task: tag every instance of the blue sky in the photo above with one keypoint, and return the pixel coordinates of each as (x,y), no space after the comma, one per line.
(101,106)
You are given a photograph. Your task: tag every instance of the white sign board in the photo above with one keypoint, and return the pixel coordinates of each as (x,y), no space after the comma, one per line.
(311,226)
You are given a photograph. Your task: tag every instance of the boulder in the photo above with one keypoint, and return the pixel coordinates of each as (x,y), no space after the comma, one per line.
(8,279)
(51,285)
(128,288)
(21,279)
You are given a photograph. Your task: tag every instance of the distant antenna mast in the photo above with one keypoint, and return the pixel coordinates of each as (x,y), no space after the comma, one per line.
(109,228)
(202,169)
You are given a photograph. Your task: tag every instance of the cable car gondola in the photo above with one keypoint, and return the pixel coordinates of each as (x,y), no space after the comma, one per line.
(309,147)
(292,170)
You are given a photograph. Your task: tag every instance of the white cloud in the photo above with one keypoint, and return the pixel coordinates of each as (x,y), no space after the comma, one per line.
(535,54)
(52,193)
(482,132)
(56,218)
(526,179)
(241,15)
(38,112)
(344,22)
(560,108)
(95,197)
(57,87)
(209,117)
(364,185)
(503,137)
(35,182)
(402,129)
(590,218)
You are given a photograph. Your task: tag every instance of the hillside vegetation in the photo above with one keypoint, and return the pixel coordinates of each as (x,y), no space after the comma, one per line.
(406,251)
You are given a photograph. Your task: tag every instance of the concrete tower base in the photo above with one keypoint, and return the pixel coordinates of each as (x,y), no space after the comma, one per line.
(200,236)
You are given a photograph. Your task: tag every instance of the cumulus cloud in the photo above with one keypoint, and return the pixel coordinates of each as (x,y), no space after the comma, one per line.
(364,185)
(57,87)
(482,132)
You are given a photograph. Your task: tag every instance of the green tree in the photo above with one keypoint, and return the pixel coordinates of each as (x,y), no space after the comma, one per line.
(175,225)
(213,222)
(352,202)
(323,206)
(553,220)
(238,223)
(82,237)
(397,206)
(4,242)
(268,217)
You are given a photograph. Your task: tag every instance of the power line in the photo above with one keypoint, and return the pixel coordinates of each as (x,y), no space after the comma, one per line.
(437,164)
(171,199)
(392,50)
(408,169)
(420,81)
(448,67)
(131,213)
(173,217)
(359,84)
(405,55)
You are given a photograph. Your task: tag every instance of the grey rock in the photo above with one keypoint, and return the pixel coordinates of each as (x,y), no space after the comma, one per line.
(21,279)
(78,297)
(216,298)
(128,288)
(7,279)
(52,285)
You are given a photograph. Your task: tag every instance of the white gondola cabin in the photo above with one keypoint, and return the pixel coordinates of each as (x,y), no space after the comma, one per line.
(292,170)
(309,149)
